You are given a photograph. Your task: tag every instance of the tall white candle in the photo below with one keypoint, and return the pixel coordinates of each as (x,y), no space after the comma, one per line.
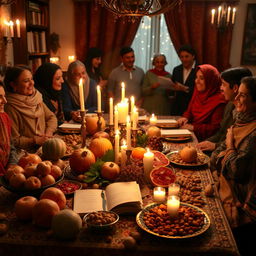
(116,119)
(132,104)
(111,118)
(122,111)
(213,14)
(123,153)
(6,28)
(148,164)
(128,132)
(173,205)
(18,27)
(228,15)
(135,118)
(99,98)
(81,94)
(122,91)
(219,13)
(11,28)
(153,119)
(117,147)
(233,15)
(159,194)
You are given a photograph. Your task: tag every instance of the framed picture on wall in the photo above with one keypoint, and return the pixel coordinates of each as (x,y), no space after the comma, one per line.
(249,42)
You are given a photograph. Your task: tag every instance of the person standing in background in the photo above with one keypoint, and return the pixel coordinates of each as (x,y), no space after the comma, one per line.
(184,74)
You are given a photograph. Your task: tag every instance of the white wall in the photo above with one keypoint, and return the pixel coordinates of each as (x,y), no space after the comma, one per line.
(62,22)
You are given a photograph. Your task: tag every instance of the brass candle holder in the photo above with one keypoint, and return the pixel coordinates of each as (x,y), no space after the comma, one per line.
(128,155)
(134,137)
(122,131)
(111,133)
(99,122)
(83,128)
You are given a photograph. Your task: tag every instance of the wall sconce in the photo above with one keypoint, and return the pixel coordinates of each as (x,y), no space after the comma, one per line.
(224,16)
(9,29)
(55,60)
(71,58)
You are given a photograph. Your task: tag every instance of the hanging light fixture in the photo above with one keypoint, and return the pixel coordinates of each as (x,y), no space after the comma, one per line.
(6,2)
(138,8)
(225,15)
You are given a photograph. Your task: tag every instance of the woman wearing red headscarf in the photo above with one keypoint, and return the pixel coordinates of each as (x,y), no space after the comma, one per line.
(205,109)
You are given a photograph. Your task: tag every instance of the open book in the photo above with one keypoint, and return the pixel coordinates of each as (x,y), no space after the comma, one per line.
(120,197)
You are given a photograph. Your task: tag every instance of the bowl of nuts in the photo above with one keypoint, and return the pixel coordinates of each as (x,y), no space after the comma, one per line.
(101,219)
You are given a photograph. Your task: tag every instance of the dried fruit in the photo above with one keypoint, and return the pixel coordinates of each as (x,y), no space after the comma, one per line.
(155,143)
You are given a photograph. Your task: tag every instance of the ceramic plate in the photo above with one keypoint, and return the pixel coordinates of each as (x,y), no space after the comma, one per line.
(174,158)
(178,139)
(142,224)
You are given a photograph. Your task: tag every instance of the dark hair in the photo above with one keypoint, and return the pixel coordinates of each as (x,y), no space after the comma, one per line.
(187,48)
(93,53)
(12,74)
(125,49)
(234,75)
(250,83)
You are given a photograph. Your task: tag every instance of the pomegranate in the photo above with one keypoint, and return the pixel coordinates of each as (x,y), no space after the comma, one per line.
(188,154)
(110,171)
(29,159)
(101,134)
(56,195)
(91,123)
(24,206)
(153,131)
(81,160)
(100,146)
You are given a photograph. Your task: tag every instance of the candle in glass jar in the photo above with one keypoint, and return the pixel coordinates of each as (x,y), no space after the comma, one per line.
(159,194)
(111,118)
(81,94)
(99,98)
(153,119)
(148,164)
(123,153)
(128,132)
(117,147)
(173,205)
(122,91)
(174,189)
(116,119)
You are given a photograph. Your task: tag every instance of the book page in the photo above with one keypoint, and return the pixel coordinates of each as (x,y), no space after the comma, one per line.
(166,82)
(166,121)
(70,126)
(88,200)
(175,132)
(122,192)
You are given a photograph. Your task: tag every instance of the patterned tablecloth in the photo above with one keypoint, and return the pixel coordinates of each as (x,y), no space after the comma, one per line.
(23,238)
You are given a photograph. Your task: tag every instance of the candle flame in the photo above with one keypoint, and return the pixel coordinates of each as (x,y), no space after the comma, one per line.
(122,85)
(17,22)
(11,23)
(117,132)
(124,143)
(81,81)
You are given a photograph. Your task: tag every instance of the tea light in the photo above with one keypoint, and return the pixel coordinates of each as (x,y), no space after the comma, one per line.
(159,194)
(173,205)
(174,189)
(153,119)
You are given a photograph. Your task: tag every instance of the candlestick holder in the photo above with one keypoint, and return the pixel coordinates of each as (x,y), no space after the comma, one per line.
(99,122)
(111,133)
(83,128)
(134,137)
(128,155)
(122,131)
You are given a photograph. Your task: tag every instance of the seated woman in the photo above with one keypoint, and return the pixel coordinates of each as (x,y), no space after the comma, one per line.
(70,91)
(154,89)
(205,109)
(48,80)
(8,154)
(235,162)
(32,122)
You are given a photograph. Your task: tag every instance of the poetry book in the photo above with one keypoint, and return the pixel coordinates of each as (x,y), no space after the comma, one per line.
(120,197)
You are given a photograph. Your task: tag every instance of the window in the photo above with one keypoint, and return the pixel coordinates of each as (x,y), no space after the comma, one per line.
(153,37)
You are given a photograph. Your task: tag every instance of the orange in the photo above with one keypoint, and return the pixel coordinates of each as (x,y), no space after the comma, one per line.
(138,153)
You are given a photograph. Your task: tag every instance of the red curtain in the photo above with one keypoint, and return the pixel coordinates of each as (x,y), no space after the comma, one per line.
(190,23)
(95,26)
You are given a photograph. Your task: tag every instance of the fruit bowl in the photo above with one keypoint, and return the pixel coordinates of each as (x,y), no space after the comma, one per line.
(162,176)
(68,187)
(101,219)
(26,192)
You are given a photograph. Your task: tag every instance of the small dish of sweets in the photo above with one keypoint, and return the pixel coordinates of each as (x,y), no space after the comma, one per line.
(101,219)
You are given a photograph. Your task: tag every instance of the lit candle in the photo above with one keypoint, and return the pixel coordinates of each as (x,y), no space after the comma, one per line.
(54,60)
(213,14)
(111,118)
(123,153)
(153,119)
(219,12)
(132,104)
(6,28)
(81,94)
(233,15)
(122,111)
(173,205)
(71,58)
(135,118)
(174,189)
(18,27)
(11,28)
(128,132)
(117,147)
(122,91)
(228,16)
(116,119)
(159,194)
(148,164)
(99,98)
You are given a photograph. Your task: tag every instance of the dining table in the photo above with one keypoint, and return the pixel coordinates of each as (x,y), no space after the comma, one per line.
(24,238)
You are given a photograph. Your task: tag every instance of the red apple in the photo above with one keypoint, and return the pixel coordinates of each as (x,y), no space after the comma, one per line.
(56,195)
(13,170)
(17,180)
(47,180)
(32,183)
(56,172)
(23,207)
(44,168)
(30,170)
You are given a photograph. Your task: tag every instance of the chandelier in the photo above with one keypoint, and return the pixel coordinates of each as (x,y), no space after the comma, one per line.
(6,2)
(138,8)
(224,16)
